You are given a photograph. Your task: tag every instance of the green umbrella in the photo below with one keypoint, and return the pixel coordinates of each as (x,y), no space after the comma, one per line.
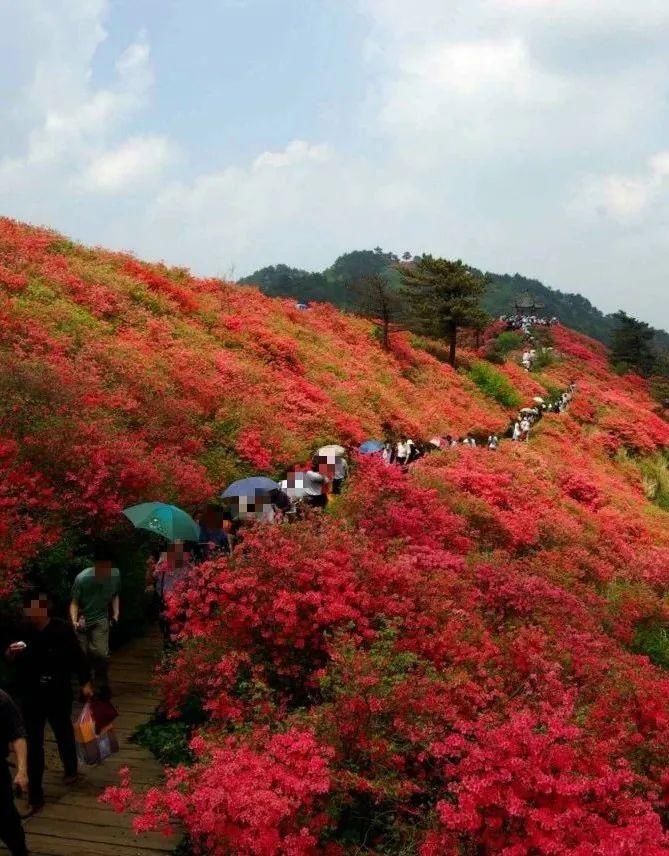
(166,520)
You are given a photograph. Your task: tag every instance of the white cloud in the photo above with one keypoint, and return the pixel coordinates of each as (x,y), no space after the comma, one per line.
(296,152)
(302,203)
(72,125)
(616,196)
(623,197)
(481,123)
(463,88)
(589,15)
(136,161)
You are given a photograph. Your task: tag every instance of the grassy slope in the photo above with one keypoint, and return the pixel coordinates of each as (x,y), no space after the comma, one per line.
(123,381)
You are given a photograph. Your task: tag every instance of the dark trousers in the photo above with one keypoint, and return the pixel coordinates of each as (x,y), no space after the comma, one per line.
(94,641)
(319,501)
(336,486)
(11,831)
(56,709)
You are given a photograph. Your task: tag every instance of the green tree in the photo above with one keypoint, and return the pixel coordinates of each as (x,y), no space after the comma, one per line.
(632,345)
(376,298)
(351,267)
(479,321)
(444,296)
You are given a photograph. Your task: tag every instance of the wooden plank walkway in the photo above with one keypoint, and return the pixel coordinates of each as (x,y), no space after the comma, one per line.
(73,822)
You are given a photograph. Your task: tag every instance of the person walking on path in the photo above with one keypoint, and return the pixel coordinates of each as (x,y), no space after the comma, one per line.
(170,568)
(340,474)
(315,486)
(402,451)
(525,426)
(46,657)
(517,431)
(95,591)
(12,734)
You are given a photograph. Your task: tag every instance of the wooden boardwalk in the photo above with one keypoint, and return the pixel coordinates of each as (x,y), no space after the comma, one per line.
(73,822)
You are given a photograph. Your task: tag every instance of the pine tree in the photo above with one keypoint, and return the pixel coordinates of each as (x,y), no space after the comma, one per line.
(443,296)
(632,345)
(374,297)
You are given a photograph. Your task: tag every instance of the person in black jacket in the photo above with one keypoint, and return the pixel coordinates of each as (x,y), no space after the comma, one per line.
(46,656)
(12,734)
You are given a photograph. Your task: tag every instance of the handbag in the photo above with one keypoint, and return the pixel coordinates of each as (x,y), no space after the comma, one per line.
(93,745)
(103,713)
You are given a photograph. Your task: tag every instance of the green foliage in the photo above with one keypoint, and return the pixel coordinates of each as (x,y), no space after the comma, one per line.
(652,639)
(54,569)
(495,385)
(431,346)
(376,298)
(632,346)
(543,360)
(359,264)
(167,739)
(573,310)
(502,346)
(284,281)
(655,474)
(443,296)
(659,384)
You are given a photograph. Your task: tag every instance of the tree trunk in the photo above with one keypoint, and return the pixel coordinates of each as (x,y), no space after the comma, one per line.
(477,338)
(385,338)
(452,344)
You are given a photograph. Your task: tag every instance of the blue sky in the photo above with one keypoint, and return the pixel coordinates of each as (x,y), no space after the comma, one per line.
(520,135)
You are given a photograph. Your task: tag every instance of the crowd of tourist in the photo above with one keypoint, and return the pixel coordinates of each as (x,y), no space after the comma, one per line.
(525,323)
(47,651)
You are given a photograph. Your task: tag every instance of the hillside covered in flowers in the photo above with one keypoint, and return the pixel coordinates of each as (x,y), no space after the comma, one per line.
(468,658)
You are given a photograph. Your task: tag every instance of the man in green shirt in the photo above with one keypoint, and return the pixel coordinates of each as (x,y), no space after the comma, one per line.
(95,590)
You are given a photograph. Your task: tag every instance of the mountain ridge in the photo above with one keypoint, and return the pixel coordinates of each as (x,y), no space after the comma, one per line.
(576,311)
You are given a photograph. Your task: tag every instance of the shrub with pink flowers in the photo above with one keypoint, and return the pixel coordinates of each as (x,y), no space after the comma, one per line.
(467,658)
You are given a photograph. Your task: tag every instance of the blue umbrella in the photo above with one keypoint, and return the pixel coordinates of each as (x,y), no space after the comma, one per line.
(162,519)
(370,447)
(249,488)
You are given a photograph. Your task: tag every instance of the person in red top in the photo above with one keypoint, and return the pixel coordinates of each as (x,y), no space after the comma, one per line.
(172,566)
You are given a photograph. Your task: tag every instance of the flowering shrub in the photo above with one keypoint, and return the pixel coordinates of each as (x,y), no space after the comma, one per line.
(462,659)
(462,701)
(259,795)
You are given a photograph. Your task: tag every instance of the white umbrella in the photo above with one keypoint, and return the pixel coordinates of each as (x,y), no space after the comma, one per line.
(335,450)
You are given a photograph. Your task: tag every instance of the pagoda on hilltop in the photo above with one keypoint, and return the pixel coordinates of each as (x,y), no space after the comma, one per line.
(526,304)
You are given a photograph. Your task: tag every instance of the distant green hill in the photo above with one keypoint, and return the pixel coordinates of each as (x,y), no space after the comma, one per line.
(331,285)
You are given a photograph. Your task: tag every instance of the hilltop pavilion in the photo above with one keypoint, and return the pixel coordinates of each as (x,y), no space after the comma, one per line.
(526,304)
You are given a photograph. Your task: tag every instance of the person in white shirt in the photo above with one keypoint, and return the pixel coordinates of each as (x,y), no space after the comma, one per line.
(402,451)
(315,484)
(387,453)
(525,429)
(340,473)
(517,432)
(493,442)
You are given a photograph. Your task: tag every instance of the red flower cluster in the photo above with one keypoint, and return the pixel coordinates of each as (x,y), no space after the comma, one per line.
(458,698)
(465,659)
